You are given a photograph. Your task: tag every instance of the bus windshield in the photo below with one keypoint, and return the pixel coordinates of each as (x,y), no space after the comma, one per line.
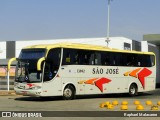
(26,70)
(32,53)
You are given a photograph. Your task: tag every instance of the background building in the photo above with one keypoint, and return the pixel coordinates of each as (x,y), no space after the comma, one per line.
(154,39)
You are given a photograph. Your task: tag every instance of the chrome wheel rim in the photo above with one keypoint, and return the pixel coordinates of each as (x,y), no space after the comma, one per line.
(133,90)
(67,92)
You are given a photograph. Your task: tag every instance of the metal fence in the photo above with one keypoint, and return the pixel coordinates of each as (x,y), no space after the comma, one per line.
(6,77)
(4,84)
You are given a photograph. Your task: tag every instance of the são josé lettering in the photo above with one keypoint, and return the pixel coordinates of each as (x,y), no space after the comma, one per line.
(106,71)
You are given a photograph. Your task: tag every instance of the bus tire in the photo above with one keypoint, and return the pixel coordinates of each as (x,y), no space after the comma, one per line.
(133,90)
(69,92)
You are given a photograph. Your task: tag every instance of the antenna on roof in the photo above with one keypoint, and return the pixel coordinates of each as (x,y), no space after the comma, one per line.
(108,23)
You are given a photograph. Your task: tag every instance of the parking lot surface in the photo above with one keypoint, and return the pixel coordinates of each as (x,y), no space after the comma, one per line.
(81,103)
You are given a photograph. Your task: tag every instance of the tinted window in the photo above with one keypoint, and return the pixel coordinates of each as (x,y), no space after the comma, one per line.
(152,58)
(52,64)
(54,56)
(107,58)
(137,60)
(32,53)
(81,57)
(146,60)
(129,59)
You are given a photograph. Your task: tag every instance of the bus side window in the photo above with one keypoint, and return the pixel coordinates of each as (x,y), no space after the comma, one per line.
(73,57)
(123,59)
(129,59)
(91,60)
(97,58)
(146,61)
(140,61)
(118,59)
(112,59)
(115,59)
(85,57)
(76,59)
(152,57)
(68,58)
(105,58)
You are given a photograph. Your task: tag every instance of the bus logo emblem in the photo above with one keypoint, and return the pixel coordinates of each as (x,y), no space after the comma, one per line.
(97,82)
(140,74)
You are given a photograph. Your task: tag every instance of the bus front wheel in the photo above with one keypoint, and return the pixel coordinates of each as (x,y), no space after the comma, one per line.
(69,92)
(133,90)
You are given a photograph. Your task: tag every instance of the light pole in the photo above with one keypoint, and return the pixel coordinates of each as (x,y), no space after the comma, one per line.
(108,23)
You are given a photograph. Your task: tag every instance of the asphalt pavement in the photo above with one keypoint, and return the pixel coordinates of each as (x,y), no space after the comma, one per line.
(81,106)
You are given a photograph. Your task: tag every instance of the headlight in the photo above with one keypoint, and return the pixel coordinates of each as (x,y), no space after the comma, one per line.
(36,87)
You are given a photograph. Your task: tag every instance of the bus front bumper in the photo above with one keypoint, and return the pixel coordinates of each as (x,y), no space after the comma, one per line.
(28,92)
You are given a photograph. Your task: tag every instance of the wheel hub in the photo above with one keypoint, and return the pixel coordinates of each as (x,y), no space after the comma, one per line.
(133,90)
(67,92)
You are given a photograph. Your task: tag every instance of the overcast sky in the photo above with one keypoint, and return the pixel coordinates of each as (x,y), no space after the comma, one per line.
(53,19)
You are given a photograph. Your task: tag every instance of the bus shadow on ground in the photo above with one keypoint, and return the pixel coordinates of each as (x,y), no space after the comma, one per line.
(39,99)
(58,98)
(124,95)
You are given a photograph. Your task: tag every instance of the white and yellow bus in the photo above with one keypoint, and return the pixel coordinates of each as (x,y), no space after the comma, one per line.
(70,69)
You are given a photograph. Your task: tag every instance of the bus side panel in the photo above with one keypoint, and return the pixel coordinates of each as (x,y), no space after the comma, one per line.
(80,86)
(117,85)
(85,80)
(150,84)
(135,81)
(52,88)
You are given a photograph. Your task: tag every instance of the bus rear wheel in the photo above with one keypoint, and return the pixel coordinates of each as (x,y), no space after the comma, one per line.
(133,90)
(69,92)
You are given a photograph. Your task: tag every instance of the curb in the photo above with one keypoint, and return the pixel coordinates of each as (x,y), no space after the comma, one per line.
(6,93)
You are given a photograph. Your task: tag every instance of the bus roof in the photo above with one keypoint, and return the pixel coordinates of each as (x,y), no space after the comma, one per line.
(83,46)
